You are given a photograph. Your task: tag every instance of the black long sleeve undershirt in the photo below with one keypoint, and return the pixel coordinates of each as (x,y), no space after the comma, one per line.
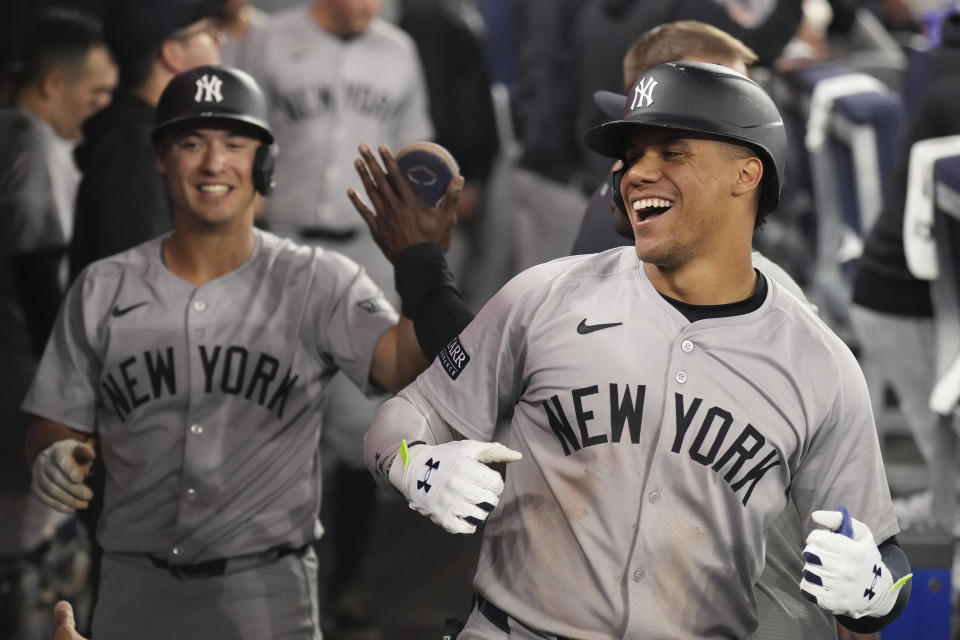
(430,297)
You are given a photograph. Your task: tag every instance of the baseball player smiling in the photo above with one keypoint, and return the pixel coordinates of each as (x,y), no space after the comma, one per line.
(666,401)
(200,360)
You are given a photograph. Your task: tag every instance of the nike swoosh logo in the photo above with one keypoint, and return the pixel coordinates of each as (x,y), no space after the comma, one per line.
(583,328)
(117,311)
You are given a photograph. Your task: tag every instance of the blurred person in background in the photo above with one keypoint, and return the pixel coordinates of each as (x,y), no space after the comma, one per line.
(121,200)
(66,75)
(336,74)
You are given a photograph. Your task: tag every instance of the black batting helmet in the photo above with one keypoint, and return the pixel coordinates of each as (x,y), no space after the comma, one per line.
(214,94)
(705,98)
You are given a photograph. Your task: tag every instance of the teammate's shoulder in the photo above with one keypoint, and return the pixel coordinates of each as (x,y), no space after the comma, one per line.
(803,320)
(25,145)
(605,264)
(283,249)
(133,260)
(382,30)
(574,271)
(18,128)
(297,14)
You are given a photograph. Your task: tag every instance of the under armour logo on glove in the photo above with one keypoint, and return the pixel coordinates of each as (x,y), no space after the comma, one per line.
(459,494)
(431,467)
(869,592)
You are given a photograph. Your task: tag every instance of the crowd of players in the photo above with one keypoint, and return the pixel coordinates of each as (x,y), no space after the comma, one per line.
(336,74)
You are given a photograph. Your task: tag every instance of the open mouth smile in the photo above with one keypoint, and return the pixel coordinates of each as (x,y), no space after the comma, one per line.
(647,208)
(214,189)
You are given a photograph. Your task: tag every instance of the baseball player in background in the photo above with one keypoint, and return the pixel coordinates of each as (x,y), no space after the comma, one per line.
(200,361)
(336,74)
(666,400)
(67,76)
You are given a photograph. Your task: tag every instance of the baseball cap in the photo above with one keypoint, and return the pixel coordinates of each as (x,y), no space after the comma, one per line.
(134,27)
(213,93)
(700,97)
(609,102)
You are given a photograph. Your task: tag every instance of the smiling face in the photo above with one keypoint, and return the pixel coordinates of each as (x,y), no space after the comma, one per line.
(209,176)
(685,194)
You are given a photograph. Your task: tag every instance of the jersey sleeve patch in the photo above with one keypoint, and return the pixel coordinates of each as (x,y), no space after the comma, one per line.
(454,358)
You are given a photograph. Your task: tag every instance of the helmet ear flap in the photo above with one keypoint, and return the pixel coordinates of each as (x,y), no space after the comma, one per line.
(264,163)
(616,177)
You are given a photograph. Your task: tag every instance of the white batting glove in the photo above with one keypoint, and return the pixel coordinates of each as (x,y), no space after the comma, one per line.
(58,473)
(451,483)
(845,574)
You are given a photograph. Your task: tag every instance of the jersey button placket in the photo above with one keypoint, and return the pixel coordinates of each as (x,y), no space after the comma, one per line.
(195,446)
(681,376)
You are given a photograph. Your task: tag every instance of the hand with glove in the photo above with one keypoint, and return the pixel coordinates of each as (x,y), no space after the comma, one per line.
(451,482)
(58,473)
(844,572)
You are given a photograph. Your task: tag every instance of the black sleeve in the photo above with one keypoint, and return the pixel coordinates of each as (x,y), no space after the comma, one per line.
(430,297)
(37,283)
(896,561)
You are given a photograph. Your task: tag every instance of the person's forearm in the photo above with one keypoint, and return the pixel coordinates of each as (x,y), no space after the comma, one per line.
(430,297)
(42,433)
(405,417)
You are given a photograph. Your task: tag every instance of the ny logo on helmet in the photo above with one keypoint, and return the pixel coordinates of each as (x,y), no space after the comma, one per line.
(208,89)
(643,93)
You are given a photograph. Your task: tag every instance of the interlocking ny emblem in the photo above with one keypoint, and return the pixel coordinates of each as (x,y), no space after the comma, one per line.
(208,89)
(431,467)
(643,93)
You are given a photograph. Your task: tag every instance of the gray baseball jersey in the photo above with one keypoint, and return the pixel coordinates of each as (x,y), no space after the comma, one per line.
(327,95)
(206,400)
(656,451)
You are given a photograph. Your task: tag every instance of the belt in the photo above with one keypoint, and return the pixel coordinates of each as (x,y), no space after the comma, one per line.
(499,618)
(222,566)
(312,233)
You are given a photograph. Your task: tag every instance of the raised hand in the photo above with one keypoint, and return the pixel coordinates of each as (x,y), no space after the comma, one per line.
(400,218)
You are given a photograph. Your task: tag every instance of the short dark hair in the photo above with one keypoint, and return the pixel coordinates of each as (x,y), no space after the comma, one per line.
(61,39)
